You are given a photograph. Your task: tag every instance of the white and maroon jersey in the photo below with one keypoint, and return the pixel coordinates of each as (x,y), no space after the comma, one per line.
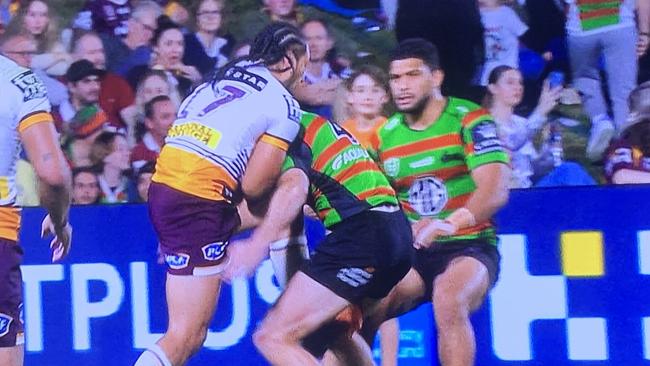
(23,104)
(208,146)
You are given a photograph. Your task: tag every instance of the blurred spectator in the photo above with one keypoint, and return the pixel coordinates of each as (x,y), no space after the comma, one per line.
(85,187)
(84,128)
(241,49)
(104,17)
(168,46)
(455,28)
(122,54)
(83,80)
(143,181)
(5,15)
(26,183)
(502,31)
(111,155)
(116,97)
(160,113)
(322,77)
(153,84)
(605,34)
(205,48)
(21,48)
(367,96)
(628,159)
(250,23)
(175,11)
(530,166)
(34,18)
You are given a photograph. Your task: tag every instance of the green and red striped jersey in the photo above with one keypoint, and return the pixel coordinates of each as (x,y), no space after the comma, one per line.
(344,180)
(431,169)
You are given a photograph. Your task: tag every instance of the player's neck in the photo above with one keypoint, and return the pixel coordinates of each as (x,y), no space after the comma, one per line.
(428,115)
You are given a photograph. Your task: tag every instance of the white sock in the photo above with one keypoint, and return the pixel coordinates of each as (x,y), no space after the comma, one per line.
(286,257)
(153,356)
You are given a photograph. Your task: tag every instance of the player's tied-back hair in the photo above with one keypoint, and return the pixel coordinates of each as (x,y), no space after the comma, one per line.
(269,47)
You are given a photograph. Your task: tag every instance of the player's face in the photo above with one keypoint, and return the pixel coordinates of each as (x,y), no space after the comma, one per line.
(121,154)
(412,83)
(170,47)
(298,73)
(37,18)
(85,189)
(154,86)
(86,90)
(209,16)
(509,88)
(366,97)
(91,48)
(319,41)
(163,116)
(280,8)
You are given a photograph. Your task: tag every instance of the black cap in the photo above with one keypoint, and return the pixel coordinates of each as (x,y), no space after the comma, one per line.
(81,69)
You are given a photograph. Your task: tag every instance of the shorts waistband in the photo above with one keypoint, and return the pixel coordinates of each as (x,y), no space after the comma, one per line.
(386,208)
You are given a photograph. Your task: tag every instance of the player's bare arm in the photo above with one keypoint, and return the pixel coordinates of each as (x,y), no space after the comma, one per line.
(41,145)
(262,171)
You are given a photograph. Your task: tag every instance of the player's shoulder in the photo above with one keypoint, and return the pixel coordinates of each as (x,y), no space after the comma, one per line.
(390,124)
(20,80)
(466,111)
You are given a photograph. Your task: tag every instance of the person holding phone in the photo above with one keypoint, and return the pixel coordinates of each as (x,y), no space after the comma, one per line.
(530,166)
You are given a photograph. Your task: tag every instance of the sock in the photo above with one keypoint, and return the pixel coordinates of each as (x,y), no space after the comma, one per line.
(153,356)
(287,256)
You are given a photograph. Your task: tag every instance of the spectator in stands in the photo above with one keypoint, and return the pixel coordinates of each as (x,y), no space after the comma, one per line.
(85,187)
(241,49)
(160,113)
(83,81)
(529,166)
(34,18)
(125,53)
(168,45)
(21,48)
(143,181)
(84,128)
(111,155)
(105,17)
(153,84)
(323,75)
(503,27)
(606,33)
(628,159)
(205,49)
(249,24)
(455,28)
(367,96)
(116,97)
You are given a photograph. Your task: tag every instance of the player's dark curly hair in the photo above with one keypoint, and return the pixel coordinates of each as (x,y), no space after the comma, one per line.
(418,48)
(269,47)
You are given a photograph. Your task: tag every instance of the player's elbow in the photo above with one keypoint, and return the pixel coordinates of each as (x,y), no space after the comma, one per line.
(295,184)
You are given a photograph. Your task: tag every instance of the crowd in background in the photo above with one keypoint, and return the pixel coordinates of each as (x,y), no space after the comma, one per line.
(117,72)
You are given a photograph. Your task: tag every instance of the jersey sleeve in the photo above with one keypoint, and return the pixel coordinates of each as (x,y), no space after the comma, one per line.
(284,125)
(481,141)
(32,105)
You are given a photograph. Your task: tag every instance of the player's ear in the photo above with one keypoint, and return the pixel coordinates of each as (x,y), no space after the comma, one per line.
(438,77)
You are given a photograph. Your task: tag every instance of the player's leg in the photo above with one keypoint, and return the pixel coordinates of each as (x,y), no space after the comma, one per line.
(191,302)
(389,342)
(458,291)
(302,308)
(11,327)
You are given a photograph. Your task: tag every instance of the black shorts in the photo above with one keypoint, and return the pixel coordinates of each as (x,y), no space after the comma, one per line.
(11,294)
(364,256)
(431,262)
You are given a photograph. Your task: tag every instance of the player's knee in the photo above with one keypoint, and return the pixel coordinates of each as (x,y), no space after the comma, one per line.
(450,307)
(190,339)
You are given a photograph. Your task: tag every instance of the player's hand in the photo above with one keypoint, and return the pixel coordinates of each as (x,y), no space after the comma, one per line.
(244,257)
(60,245)
(426,231)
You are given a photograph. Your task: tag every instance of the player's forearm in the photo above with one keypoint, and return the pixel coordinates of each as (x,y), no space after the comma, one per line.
(285,205)
(55,198)
(491,191)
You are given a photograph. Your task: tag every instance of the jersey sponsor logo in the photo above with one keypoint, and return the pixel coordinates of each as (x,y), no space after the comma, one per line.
(349,156)
(30,85)
(462,109)
(485,137)
(422,163)
(293,109)
(177,261)
(354,277)
(208,136)
(244,76)
(5,322)
(391,167)
(428,196)
(214,251)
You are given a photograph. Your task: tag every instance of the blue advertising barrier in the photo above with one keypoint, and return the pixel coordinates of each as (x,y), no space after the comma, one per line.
(573,289)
